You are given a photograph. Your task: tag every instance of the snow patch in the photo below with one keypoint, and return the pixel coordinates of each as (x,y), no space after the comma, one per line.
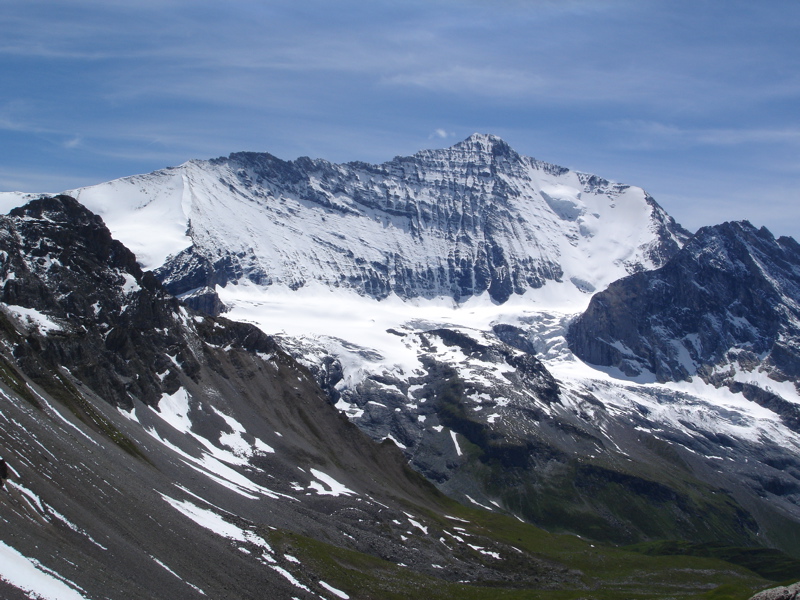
(130,284)
(32,318)
(476,503)
(335,488)
(453,435)
(32,577)
(213,522)
(417,524)
(166,568)
(394,441)
(174,409)
(290,578)
(334,591)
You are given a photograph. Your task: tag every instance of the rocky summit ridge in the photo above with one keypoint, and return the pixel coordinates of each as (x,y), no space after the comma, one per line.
(724,306)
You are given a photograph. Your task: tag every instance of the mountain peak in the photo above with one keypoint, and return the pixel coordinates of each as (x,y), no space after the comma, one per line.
(450,222)
(57,209)
(486,138)
(741,238)
(485,143)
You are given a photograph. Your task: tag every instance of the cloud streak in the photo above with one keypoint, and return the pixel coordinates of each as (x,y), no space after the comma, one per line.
(654,133)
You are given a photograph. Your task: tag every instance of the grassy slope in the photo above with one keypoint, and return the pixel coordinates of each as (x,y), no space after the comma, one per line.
(607,572)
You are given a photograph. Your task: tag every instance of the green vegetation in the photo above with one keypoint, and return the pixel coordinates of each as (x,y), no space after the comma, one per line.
(619,507)
(11,377)
(64,391)
(767,562)
(603,572)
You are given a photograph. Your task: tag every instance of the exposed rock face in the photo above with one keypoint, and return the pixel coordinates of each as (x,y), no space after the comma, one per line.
(111,324)
(60,260)
(729,301)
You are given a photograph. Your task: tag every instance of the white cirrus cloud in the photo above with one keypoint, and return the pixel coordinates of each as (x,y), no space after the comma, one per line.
(653,132)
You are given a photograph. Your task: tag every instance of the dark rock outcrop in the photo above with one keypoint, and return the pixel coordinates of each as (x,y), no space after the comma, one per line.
(730,296)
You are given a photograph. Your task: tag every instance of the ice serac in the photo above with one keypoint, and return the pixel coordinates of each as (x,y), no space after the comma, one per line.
(725,308)
(458,222)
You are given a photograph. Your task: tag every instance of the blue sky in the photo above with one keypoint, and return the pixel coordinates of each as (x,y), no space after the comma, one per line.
(698,102)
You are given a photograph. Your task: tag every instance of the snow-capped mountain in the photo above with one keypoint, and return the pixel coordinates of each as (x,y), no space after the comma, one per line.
(474,218)
(431,296)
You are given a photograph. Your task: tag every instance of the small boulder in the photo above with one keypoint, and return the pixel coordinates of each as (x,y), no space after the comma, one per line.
(791,592)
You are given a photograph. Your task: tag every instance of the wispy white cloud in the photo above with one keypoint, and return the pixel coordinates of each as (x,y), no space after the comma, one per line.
(726,137)
(42,181)
(649,134)
(441,134)
(485,81)
(18,115)
(282,55)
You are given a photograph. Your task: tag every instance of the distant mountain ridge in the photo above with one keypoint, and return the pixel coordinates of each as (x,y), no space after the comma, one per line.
(346,263)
